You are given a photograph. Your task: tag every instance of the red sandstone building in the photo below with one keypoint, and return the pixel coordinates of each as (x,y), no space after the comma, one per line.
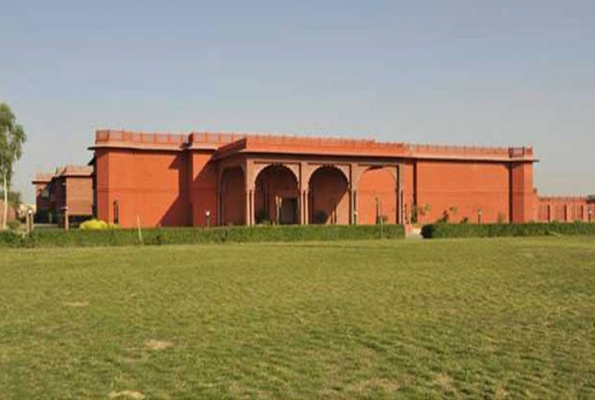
(219,179)
(71,188)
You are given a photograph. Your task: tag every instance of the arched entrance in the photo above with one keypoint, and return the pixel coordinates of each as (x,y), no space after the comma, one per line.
(329,197)
(233,197)
(276,196)
(376,197)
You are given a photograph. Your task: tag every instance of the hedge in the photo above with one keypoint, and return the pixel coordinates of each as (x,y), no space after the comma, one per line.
(443,230)
(164,236)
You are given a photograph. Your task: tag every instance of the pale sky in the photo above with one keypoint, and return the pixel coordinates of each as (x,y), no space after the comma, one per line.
(467,72)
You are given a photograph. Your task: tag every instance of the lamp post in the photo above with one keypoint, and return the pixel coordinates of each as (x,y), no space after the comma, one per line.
(29,220)
(208,215)
(479,215)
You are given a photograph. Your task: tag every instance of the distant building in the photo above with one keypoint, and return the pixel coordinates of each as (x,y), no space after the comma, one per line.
(70,186)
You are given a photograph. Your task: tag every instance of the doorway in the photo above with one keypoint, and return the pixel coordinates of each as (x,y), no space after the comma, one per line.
(289,210)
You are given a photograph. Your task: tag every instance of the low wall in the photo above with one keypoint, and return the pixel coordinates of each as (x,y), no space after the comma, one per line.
(565,209)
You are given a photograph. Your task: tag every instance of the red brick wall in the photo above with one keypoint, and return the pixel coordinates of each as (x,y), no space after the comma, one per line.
(79,195)
(203,184)
(150,185)
(234,197)
(462,188)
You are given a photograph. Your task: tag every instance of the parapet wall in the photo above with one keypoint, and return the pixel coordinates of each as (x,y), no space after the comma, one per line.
(515,153)
(229,143)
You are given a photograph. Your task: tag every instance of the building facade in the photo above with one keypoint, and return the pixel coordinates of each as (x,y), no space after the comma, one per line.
(69,188)
(212,179)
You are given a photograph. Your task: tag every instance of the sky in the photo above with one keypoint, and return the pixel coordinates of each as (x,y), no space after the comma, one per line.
(506,73)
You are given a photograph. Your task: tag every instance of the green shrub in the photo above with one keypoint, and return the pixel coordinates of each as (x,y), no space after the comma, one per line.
(10,239)
(443,230)
(165,236)
(262,218)
(320,217)
(13,225)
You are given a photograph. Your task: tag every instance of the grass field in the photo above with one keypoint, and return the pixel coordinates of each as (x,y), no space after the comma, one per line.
(499,318)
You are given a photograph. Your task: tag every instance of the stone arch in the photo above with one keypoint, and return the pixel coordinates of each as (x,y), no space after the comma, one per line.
(233,198)
(328,200)
(276,195)
(377,196)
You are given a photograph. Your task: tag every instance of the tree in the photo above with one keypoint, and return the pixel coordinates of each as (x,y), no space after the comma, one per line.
(12,138)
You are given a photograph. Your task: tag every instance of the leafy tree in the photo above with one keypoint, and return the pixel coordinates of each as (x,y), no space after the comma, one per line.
(12,138)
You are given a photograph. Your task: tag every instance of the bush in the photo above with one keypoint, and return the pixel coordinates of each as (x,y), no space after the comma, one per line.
(10,239)
(262,218)
(13,225)
(442,230)
(165,236)
(94,225)
(320,217)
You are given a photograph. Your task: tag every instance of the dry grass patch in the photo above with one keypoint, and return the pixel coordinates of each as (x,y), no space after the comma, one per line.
(157,344)
(75,304)
(127,394)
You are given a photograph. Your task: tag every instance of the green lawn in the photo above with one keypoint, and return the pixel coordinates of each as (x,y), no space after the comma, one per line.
(477,318)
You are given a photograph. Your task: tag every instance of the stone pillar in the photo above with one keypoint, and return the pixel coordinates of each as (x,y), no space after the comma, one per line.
(252,207)
(400,195)
(300,212)
(307,206)
(354,218)
(249,207)
(549,213)
(351,208)
(303,206)
(401,207)
(566,213)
